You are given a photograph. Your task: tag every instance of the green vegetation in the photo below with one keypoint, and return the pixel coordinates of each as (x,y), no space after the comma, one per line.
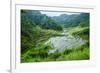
(38,28)
(40,54)
(83,32)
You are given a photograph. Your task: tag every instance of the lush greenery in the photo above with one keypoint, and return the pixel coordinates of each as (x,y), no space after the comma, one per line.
(37,28)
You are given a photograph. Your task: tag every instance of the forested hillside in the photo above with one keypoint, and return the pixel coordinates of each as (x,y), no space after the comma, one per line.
(81,19)
(38,19)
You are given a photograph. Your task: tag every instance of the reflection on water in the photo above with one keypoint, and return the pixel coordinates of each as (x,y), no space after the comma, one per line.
(60,43)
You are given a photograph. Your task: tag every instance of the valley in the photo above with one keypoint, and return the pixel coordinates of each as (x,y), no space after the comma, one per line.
(59,38)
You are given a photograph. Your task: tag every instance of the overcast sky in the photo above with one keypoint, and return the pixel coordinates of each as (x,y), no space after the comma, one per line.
(48,13)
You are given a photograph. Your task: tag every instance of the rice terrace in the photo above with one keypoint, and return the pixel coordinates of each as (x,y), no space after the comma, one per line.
(54,36)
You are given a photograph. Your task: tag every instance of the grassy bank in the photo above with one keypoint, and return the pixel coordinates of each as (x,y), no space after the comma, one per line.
(41,54)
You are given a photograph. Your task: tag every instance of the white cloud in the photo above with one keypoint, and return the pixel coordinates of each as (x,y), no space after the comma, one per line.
(52,13)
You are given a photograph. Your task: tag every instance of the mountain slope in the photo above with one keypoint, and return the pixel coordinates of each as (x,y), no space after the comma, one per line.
(81,19)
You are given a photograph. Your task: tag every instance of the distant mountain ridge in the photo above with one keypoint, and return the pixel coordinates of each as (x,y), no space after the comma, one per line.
(72,20)
(36,18)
